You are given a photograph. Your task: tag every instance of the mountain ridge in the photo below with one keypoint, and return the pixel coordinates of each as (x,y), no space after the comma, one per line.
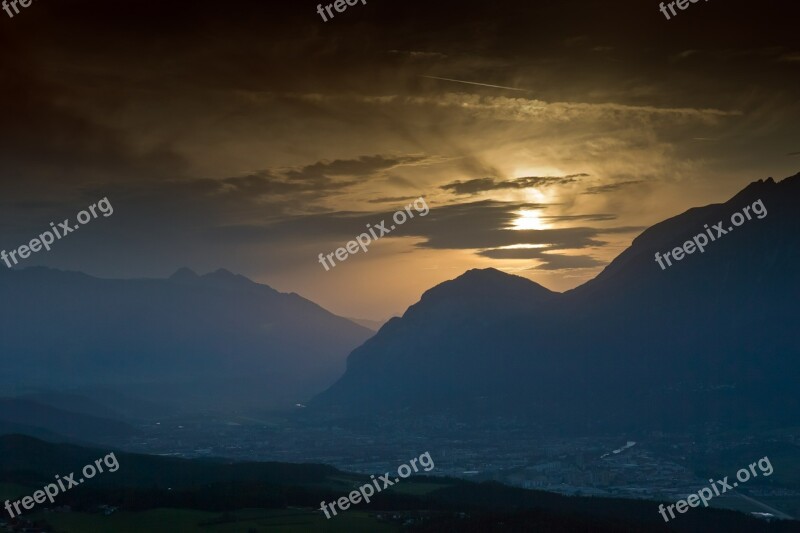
(171,338)
(705,324)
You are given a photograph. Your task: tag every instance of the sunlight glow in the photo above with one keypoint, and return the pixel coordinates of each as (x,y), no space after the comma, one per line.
(523,246)
(528,219)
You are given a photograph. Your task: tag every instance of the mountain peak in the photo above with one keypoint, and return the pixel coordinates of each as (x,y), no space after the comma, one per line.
(184,275)
(496,282)
(486,274)
(483,291)
(755,188)
(218,278)
(222,273)
(226,278)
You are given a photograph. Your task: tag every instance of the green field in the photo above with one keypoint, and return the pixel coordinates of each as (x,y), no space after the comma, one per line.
(183,521)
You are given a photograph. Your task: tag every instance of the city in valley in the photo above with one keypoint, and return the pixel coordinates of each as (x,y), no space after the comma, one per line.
(652,465)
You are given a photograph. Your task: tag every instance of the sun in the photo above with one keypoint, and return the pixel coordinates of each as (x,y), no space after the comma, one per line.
(528,219)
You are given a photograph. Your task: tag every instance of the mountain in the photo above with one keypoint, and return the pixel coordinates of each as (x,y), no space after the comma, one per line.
(218,341)
(22,416)
(708,339)
(373,325)
(102,403)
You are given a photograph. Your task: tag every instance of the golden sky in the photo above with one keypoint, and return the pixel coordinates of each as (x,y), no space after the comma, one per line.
(253,136)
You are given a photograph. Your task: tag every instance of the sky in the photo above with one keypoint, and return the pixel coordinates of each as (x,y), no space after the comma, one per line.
(253,135)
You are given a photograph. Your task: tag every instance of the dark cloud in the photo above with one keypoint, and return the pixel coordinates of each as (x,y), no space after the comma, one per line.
(445,236)
(364,166)
(308,183)
(550,261)
(485,224)
(45,139)
(479,185)
(389,199)
(610,187)
(419,56)
(473,186)
(467,226)
(266,183)
(254,206)
(513,253)
(572,218)
(566,262)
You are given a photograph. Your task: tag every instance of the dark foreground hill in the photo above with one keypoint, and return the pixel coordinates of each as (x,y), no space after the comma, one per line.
(189,496)
(218,341)
(710,339)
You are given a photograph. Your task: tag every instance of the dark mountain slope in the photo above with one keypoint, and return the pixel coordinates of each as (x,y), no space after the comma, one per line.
(709,339)
(418,353)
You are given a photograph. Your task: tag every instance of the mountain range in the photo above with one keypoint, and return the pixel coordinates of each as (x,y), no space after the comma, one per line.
(708,340)
(212,342)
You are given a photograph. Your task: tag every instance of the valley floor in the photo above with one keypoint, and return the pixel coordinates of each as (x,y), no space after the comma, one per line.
(654,465)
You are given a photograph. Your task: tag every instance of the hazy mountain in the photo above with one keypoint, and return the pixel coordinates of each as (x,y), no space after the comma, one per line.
(708,339)
(213,341)
(101,402)
(31,418)
(73,403)
(373,325)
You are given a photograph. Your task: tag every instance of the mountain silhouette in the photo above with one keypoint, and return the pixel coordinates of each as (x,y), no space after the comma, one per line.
(217,341)
(709,339)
